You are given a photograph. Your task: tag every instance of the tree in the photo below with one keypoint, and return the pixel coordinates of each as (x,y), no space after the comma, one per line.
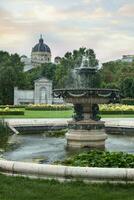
(118,74)
(48,71)
(127,87)
(11,75)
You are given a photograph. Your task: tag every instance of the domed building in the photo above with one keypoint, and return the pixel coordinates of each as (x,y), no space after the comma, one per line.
(41,53)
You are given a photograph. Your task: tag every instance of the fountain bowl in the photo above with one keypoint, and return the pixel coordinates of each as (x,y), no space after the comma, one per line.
(88,96)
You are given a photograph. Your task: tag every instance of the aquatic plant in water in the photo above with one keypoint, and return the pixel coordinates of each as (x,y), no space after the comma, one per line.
(4,134)
(98,158)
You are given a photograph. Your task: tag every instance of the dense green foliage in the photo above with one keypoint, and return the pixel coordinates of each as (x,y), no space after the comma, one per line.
(101,159)
(11,75)
(19,188)
(3,128)
(127,101)
(4,134)
(11,112)
(118,74)
(48,107)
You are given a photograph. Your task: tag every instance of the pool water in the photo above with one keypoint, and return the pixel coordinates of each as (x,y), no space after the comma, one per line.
(42,149)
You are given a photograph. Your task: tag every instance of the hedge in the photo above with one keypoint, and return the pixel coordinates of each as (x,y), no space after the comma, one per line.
(49,107)
(117,112)
(13,106)
(14,112)
(127,101)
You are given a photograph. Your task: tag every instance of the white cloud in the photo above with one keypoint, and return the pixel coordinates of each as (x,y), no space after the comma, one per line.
(127,10)
(66,28)
(100,13)
(87,1)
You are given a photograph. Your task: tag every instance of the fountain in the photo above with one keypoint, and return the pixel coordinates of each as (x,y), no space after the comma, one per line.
(86,130)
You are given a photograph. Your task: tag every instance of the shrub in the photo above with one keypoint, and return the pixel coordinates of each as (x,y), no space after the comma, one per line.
(4,130)
(13,106)
(8,111)
(101,159)
(116,112)
(127,101)
(47,107)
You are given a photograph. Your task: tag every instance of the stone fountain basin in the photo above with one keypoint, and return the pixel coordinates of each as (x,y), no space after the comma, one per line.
(86,96)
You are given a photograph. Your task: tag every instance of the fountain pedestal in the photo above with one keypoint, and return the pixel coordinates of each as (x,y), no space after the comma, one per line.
(86,134)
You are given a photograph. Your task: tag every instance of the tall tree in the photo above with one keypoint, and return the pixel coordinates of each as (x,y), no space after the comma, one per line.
(11,75)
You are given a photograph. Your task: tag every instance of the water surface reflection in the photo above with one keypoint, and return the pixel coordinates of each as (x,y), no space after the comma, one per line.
(42,149)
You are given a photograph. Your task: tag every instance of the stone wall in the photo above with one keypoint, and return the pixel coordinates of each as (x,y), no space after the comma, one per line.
(23,96)
(42,94)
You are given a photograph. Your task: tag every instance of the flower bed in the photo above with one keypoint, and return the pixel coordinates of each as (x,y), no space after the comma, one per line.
(8,111)
(116,109)
(12,106)
(101,159)
(48,107)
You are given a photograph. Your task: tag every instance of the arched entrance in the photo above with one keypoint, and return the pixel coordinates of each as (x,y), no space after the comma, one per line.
(43,95)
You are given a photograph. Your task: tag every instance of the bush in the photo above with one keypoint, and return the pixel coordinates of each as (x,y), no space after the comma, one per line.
(127,101)
(116,112)
(4,130)
(8,111)
(48,107)
(12,112)
(13,106)
(4,134)
(101,159)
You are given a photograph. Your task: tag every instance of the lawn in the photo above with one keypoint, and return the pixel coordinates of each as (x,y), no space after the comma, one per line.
(56,114)
(18,188)
(42,114)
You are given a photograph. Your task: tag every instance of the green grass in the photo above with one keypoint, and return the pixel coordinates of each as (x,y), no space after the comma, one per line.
(43,114)
(18,188)
(56,114)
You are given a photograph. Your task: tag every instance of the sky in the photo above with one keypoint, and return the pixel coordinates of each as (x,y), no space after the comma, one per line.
(107,26)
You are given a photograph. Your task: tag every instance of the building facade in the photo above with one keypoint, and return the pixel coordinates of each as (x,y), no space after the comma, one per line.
(128,58)
(40,54)
(42,94)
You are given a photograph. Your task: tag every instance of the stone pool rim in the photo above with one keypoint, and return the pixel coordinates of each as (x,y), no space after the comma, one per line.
(67,173)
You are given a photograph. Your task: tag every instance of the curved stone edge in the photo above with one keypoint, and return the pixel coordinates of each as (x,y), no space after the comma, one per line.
(67,173)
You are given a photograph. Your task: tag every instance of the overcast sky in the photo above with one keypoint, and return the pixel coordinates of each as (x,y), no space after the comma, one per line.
(107,26)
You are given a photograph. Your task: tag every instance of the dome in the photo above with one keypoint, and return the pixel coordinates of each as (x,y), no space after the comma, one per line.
(41,47)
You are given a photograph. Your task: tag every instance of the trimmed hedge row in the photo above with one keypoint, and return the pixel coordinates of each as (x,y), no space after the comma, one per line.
(13,106)
(127,101)
(12,112)
(47,108)
(117,112)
